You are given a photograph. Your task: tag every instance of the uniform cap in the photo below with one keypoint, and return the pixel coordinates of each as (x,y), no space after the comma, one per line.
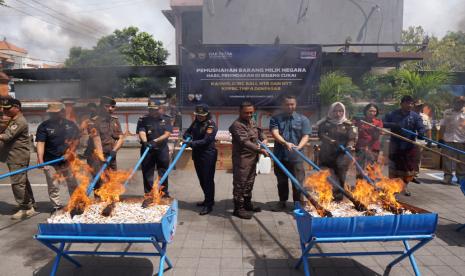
(10,102)
(201,109)
(55,107)
(107,100)
(154,103)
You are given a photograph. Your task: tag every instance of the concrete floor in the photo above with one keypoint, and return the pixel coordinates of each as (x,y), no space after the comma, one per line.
(219,244)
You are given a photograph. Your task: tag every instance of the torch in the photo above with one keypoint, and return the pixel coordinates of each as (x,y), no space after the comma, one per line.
(51,162)
(321,211)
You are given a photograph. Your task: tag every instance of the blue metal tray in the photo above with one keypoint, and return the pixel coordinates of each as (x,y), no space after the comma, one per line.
(162,231)
(364,226)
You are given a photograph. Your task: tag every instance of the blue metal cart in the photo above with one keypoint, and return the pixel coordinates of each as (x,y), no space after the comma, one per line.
(56,236)
(314,230)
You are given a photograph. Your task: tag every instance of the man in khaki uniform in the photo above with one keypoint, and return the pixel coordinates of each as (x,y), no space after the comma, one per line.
(245,152)
(14,150)
(106,136)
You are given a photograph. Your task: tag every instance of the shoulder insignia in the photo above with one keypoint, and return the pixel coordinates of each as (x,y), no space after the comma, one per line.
(14,126)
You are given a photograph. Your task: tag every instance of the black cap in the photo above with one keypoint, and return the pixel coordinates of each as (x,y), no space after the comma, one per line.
(201,109)
(10,102)
(107,100)
(406,98)
(154,103)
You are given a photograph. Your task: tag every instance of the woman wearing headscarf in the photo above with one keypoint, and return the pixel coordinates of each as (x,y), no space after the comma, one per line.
(368,144)
(334,130)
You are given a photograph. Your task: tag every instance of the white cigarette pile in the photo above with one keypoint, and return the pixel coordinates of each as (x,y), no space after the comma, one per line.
(347,209)
(124,212)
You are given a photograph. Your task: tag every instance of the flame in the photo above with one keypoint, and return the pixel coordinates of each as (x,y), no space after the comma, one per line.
(318,182)
(82,173)
(112,187)
(99,154)
(155,197)
(365,192)
(388,187)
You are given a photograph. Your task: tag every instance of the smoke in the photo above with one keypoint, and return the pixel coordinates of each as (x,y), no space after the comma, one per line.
(436,17)
(80,23)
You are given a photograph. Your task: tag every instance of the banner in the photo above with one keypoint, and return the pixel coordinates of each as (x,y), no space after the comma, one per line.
(226,75)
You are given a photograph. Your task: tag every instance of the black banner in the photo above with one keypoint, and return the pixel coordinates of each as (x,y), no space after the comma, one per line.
(226,75)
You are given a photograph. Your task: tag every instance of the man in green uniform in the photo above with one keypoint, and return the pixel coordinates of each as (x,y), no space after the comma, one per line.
(14,150)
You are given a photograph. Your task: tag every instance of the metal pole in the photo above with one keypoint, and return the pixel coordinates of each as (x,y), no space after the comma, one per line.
(136,167)
(359,167)
(434,141)
(413,142)
(32,167)
(97,177)
(175,160)
(296,183)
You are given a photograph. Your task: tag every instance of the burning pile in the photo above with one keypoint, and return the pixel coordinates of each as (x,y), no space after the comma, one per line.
(107,206)
(380,199)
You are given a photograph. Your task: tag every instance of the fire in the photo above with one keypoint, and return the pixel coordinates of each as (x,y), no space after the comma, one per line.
(99,155)
(318,182)
(112,187)
(82,173)
(155,197)
(388,188)
(365,192)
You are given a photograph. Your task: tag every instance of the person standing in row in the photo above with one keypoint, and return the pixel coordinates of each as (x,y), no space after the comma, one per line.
(54,137)
(334,130)
(106,136)
(154,129)
(290,130)
(402,154)
(204,154)
(15,152)
(368,143)
(452,133)
(245,153)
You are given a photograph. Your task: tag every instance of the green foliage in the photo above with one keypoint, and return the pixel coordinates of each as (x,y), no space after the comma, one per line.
(338,87)
(125,47)
(378,88)
(446,54)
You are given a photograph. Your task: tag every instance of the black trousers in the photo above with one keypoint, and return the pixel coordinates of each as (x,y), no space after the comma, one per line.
(159,159)
(205,166)
(296,169)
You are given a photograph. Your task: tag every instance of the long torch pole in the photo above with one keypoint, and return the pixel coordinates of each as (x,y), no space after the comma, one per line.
(433,141)
(321,211)
(51,162)
(358,205)
(175,160)
(413,142)
(136,167)
(97,177)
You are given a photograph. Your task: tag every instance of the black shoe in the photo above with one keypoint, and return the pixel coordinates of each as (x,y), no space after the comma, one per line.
(206,210)
(248,206)
(242,213)
(407,192)
(416,181)
(200,204)
(279,207)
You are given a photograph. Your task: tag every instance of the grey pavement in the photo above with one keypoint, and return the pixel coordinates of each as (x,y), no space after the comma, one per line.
(219,244)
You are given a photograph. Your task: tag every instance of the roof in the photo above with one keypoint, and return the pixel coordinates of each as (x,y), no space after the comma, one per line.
(5,45)
(154,71)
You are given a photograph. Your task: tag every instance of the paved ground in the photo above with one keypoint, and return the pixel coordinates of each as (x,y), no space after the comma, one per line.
(220,244)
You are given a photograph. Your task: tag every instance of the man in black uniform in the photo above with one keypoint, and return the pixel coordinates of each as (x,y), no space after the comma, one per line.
(203,131)
(154,129)
(54,136)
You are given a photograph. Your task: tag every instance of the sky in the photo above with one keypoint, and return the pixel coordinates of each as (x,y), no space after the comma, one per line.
(82,22)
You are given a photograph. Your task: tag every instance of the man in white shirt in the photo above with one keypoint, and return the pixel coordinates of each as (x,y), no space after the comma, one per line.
(452,132)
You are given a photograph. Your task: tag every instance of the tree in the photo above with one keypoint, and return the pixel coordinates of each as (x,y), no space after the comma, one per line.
(125,47)
(446,54)
(338,87)
(428,87)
